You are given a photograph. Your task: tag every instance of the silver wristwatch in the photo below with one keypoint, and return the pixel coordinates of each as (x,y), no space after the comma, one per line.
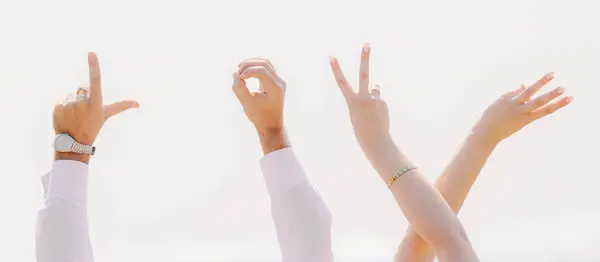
(64,143)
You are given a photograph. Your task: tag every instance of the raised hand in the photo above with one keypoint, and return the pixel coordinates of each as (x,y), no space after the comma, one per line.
(516,109)
(368,112)
(265,107)
(83,115)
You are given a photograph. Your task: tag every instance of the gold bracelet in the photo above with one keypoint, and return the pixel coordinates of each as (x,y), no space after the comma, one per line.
(398,175)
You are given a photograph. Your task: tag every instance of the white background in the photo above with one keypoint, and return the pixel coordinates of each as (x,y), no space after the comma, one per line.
(178,179)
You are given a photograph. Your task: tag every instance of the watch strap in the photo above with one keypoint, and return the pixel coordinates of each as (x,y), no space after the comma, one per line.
(82,149)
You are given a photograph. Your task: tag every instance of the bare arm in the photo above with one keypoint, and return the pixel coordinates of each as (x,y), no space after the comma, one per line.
(454,185)
(503,118)
(422,205)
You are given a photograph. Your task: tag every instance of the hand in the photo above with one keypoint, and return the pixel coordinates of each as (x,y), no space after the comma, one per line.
(368,113)
(83,117)
(515,109)
(264,108)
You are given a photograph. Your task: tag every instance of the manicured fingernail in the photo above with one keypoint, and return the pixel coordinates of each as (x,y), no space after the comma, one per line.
(560,90)
(366,47)
(569,99)
(550,75)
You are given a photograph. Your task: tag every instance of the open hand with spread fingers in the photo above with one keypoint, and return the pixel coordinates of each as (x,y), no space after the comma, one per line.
(368,112)
(81,116)
(265,107)
(516,109)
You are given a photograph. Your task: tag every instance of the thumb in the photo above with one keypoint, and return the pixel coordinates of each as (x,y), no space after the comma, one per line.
(118,107)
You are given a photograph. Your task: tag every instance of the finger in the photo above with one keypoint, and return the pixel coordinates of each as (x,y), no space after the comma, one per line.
(70,98)
(530,91)
(262,74)
(256,58)
(119,107)
(82,92)
(341,80)
(550,108)
(95,79)
(511,94)
(376,92)
(363,86)
(239,88)
(543,99)
(263,63)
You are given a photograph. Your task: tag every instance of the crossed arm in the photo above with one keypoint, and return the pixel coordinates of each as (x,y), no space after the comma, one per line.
(506,116)
(454,185)
(422,205)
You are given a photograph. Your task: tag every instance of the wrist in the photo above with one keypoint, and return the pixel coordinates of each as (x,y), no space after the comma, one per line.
(482,139)
(72,156)
(272,139)
(384,156)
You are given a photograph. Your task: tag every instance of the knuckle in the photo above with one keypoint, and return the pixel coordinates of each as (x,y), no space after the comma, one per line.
(550,110)
(539,102)
(364,74)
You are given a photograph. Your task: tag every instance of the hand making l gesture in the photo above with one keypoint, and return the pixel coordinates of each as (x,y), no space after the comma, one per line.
(82,115)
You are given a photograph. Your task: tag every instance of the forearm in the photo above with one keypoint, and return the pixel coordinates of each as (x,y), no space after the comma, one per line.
(422,205)
(454,185)
(458,177)
(302,219)
(62,228)
(273,139)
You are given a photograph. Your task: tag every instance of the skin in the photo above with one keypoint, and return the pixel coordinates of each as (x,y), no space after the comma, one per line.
(265,107)
(506,116)
(422,205)
(83,117)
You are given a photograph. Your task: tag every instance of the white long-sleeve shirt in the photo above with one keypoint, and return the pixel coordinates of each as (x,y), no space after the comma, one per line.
(62,233)
(302,220)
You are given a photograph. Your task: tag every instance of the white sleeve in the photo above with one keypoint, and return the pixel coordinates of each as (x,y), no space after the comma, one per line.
(302,219)
(62,233)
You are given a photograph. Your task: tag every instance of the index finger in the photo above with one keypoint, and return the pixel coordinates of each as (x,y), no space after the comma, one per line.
(363,87)
(95,79)
(341,80)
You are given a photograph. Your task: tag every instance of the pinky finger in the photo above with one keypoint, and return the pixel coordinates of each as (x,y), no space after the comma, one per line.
(551,108)
(511,94)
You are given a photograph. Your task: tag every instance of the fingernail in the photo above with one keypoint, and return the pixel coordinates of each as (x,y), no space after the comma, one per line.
(569,99)
(560,90)
(332,60)
(366,47)
(550,75)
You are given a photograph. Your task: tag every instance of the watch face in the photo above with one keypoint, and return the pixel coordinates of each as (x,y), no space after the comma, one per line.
(63,143)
